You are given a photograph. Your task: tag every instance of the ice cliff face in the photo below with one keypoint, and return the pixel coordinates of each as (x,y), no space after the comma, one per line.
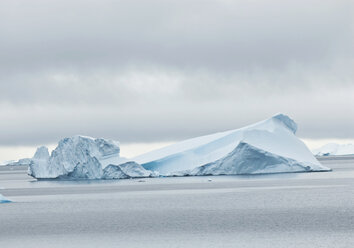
(333,149)
(80,157)
(247,159)
(276,136)
(126,170)
(82,151)
(114,172)
(41,153)
(39,164)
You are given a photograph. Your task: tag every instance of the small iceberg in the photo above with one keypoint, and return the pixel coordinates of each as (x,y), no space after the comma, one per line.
(3,199)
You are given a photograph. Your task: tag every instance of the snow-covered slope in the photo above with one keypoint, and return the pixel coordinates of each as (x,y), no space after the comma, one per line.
(333,149)
(274,138)
(81,157)
(3,199)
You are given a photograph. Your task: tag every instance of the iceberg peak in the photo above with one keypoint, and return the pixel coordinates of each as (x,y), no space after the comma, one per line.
(286,121)
(41,153)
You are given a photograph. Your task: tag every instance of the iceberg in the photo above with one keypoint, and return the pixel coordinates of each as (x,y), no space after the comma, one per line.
(82,157)
(3,199)
(269,146)
(333,149)
(6,162)
(26,161)
(20,162)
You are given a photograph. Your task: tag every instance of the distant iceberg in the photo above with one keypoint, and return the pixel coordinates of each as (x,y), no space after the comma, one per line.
(269,146)
(82,157)
(333,149)
(20,162)
(24,161)
(3,199)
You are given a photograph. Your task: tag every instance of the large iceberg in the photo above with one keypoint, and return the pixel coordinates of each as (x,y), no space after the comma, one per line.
(333,149)
(82,157)
(269,146)
(3,199)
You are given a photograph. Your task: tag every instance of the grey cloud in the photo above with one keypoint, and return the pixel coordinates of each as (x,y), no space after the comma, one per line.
(320,114)
(167,70)
(213,34)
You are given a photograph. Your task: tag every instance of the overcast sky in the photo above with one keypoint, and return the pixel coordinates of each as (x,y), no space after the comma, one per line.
(160,71)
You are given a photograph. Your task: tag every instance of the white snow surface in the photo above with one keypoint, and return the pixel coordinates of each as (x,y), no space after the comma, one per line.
(333,149)
(3,199)
(81,157)
(274,136)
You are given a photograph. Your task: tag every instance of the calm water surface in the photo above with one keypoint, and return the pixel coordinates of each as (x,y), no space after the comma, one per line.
(282,210)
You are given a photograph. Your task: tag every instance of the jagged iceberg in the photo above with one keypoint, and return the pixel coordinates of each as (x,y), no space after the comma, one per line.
(3,199)
(269,146)
(333,149)
(82,157)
